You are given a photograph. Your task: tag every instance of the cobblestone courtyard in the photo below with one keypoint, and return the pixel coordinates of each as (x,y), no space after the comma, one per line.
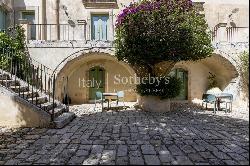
(132,137)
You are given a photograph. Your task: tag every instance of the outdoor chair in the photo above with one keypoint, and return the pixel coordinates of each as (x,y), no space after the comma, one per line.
(211,99)
(120,97)
(99,98)
(229,102)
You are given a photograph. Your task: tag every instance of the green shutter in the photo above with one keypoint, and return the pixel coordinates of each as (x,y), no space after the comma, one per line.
(2,19)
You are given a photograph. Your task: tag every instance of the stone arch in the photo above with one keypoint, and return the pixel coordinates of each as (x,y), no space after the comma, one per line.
(86,59)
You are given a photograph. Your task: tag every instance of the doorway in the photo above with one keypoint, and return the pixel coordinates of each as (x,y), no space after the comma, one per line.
(97,81)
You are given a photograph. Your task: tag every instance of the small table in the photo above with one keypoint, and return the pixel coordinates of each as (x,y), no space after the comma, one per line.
(220,96)
(108,95)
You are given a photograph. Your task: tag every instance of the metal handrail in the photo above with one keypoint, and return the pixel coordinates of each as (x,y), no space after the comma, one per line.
(230,32)
(37,78)
(70,31)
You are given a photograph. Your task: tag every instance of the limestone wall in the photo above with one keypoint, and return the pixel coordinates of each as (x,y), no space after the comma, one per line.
(15,112)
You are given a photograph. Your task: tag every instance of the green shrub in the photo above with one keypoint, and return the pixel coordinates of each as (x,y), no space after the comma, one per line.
(168,87)
(12,50)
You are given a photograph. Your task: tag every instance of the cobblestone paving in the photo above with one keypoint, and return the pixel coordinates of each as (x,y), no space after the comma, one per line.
(132,137)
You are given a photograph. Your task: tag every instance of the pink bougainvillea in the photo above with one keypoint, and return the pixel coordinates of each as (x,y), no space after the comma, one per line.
(147,6)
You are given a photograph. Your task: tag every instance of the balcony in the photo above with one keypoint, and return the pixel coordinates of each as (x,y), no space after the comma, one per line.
(100,3)
(63,35)
(230,34)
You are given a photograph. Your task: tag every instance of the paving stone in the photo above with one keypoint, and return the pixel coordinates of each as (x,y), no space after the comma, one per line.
(195,157)
(136,161)
(216,162)
(91,160)
(135,153)
(108,155)
(174,150)
(148,149)
(165,156)
(182,160)
(81,152)
(207,155)
(188,149)
(122,150)
(198,147)
(152,160)
(236,156)
(97,149)
(221,155)
(230,162)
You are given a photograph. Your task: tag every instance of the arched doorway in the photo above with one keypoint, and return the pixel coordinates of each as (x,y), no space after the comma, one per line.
(183,76)
(97,81)
(78,71)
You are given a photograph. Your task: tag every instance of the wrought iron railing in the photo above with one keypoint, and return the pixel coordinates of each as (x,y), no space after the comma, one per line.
(230,34)
(50,32)
(25,76)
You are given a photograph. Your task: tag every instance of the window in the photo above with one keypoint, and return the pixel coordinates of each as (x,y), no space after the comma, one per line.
(183,76)
(2,19)
(30,17)
(99,27)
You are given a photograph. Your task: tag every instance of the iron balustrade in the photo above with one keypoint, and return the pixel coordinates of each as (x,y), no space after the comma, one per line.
(230,34)
(25,76)
(49,32)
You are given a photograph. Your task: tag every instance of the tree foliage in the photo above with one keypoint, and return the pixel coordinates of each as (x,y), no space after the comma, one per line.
(12,49)
(153,31)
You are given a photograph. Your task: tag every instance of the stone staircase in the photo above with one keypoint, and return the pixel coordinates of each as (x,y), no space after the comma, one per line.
(42,102)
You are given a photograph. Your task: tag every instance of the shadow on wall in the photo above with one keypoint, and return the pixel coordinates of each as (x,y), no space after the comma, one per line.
(16,113)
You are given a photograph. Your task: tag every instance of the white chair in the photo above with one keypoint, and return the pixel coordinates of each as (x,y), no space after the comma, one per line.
(99,98)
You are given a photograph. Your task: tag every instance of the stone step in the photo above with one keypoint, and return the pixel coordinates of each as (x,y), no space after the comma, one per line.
(38,100)
(9,83)
(29,94)
(58,110)
(4,77)
(47,106)
(22,88)
(63,119)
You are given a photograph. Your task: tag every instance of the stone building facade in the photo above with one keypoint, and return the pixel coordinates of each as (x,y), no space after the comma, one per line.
(74,39)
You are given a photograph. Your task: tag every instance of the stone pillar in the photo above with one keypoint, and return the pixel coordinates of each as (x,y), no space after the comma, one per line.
(42,14)
(57,19)
(88,28)
(27,29)
(52,15)
(111,23)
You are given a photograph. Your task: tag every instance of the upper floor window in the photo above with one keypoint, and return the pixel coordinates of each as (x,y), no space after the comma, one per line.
(30,17)
(2,19)
(99,27)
